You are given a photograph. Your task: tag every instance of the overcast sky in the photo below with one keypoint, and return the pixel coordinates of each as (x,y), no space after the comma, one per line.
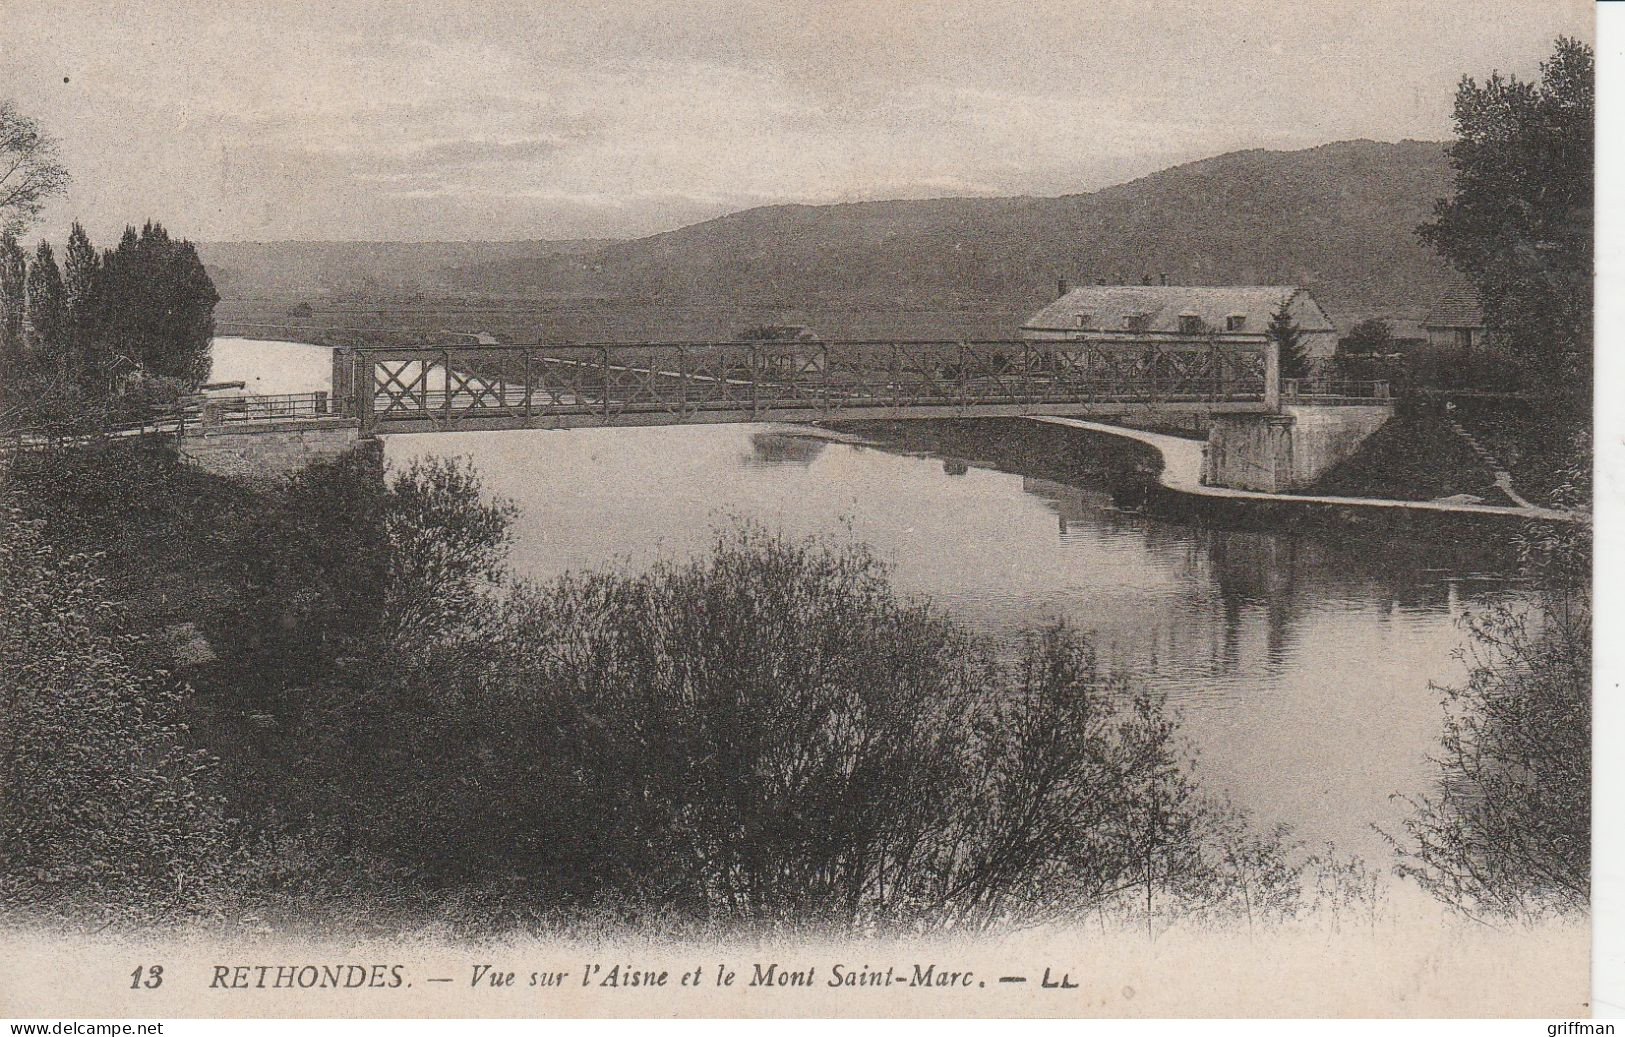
(453,120)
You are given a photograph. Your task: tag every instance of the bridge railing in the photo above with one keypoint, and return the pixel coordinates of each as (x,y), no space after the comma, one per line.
(56,436)
(687,379)
(1334,391)
(259,407)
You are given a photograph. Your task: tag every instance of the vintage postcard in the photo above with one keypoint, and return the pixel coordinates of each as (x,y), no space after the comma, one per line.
(790,508)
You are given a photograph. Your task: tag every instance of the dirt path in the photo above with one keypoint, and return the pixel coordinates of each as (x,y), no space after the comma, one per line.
(1182,472)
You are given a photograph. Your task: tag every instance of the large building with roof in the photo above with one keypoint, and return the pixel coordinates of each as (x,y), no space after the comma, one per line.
(1171,313)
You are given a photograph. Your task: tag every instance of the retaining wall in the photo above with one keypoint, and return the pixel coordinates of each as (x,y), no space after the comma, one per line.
(262,451)
(1279,453)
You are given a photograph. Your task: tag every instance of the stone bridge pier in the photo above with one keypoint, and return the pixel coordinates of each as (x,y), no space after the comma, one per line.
(1286,451)
(270,451)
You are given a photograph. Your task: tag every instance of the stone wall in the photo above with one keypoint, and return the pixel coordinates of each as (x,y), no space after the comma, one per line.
(1249,452)
(1279,453)
(1323,436)
(265,451)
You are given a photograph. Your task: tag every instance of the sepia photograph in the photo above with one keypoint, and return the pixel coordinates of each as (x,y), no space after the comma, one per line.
(775,509)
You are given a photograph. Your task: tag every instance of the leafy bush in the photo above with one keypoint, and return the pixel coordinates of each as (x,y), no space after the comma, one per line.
(105,809)
(343,577)
(1508,833)
(1366,352)
(1509,830)
(765,734)
(769,734)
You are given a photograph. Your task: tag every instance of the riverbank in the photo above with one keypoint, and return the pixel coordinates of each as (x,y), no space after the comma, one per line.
(1159,474)
(1181,475)
(354,766)
(1416,455)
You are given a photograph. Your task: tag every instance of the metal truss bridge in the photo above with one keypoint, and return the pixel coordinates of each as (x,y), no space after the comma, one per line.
(418,388)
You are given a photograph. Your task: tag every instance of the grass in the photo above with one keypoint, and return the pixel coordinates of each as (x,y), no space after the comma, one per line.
(164,530)
(1537,446)
(1416,456)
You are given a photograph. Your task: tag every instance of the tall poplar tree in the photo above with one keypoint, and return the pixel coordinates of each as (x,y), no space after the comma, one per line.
(13,301)
(159,304)
(81,280)
(48,308)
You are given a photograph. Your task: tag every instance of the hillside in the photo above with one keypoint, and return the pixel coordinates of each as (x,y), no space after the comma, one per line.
(1338,219)
(314,267)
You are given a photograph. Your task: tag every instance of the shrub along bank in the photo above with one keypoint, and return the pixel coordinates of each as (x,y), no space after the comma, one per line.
(394,732)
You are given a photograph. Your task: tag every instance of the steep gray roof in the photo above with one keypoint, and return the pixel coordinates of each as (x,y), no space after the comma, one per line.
(1163,305)
(1457,307)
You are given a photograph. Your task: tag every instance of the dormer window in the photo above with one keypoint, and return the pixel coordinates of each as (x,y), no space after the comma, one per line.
(1134,321)
(1235,322)
(1086,322)
(1190,324)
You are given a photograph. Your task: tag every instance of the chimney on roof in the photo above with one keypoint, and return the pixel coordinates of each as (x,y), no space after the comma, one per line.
(1164,279)
(1060,287)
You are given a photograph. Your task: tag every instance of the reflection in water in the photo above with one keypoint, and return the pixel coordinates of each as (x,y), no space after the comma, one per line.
(784,448)
(1300,661)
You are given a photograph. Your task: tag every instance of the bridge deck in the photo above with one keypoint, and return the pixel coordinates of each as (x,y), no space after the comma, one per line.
(418,388)
(490,419)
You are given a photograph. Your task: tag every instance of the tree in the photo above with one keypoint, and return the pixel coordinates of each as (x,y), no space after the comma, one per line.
(1369,336)
(1507,833)
(81,279)
(29,171)
(159,304)
(1361,352)
(1286,334)
(1519,225)
(48,306)
(13,301)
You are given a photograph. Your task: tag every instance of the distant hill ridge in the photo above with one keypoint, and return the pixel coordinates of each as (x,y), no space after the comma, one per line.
(296,267)
(1338,219)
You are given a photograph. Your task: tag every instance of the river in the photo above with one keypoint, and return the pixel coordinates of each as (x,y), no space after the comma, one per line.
(1301,664)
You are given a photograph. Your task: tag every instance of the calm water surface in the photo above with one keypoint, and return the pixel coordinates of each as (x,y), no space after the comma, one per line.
(1301,663)
(272,368)
(1301,666)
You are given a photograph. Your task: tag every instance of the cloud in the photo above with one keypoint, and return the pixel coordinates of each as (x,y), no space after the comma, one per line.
(512,118)
(436,159)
